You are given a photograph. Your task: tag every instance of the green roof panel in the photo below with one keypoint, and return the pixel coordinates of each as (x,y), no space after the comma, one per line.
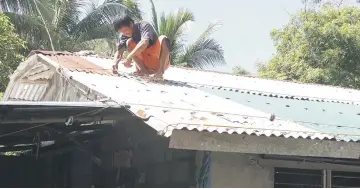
(320,116)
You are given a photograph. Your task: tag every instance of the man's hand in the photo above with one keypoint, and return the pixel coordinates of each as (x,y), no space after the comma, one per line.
(127,62)
(115,66)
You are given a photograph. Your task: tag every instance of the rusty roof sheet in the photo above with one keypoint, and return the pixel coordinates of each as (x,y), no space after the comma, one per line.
(50,53)
(74,62)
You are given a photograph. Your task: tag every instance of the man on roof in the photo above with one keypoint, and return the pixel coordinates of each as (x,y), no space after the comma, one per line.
(149,51)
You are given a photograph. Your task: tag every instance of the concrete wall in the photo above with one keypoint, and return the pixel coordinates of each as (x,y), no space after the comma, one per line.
(239,170)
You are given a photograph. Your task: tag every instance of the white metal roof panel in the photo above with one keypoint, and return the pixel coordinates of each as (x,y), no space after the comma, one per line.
(166,107)
(266,87)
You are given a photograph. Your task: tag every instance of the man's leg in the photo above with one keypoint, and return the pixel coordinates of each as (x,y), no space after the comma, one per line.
(138,59)
(140,66)
(164,58)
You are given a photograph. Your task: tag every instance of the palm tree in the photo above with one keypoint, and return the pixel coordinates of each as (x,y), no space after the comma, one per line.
(72,24)
(204,52)
(77,24)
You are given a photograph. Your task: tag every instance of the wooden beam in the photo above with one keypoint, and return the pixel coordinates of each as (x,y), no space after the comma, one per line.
(60,148)
(58,138)
(88,127)
(56,149)
(207,141)
(16,148)
(83,119)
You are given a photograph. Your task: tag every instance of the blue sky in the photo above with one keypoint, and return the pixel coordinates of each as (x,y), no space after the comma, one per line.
(245,34)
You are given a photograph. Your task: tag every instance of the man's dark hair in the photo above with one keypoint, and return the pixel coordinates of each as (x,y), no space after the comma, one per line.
(124,21)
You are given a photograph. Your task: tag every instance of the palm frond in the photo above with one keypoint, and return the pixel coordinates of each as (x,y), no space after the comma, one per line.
(103,47)
(212,28)
(172,26)
(133,8)
(154,17)
(102,15)
(46,9)
(105,31)
(204,51)
(67,13)
(28,7)
(33,31)
(18,6)
(201,54)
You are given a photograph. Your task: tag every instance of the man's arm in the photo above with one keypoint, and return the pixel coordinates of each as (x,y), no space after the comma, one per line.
(148,34)
(118,55)
(121,47)
(139,48)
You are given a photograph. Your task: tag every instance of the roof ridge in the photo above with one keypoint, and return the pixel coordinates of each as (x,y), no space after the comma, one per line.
(267,94)
(54,53)
(267,79)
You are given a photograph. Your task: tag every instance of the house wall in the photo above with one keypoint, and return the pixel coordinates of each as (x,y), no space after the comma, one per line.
(251,171)
(239,170)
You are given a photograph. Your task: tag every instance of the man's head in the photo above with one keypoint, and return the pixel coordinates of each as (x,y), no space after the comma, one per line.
(124,25)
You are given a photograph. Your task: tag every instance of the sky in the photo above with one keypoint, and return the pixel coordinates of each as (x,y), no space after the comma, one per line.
(245,34)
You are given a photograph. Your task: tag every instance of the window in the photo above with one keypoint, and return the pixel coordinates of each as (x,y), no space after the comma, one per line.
(305,178)
(341,179)
(298,178)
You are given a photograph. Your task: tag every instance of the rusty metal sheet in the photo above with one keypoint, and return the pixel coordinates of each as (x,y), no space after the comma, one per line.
(73,62)
(50,53)
(76,63)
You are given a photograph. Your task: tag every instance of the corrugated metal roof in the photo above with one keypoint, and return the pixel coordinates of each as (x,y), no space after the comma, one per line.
(251,85)
(74,62)
(168,107)
(179,104)
(338,117)
(32,86)
(265,87)
(28,91)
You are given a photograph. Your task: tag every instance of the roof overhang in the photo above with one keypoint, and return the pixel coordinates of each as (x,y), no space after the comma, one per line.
(55,125)
(210,141)
(15,112)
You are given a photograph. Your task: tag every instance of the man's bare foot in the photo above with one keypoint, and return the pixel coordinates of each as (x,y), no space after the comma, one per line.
(140,73)
(158,75)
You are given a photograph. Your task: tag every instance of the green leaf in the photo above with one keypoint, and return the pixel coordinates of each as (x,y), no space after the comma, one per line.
(318,46)
(154,17)
(10,47)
